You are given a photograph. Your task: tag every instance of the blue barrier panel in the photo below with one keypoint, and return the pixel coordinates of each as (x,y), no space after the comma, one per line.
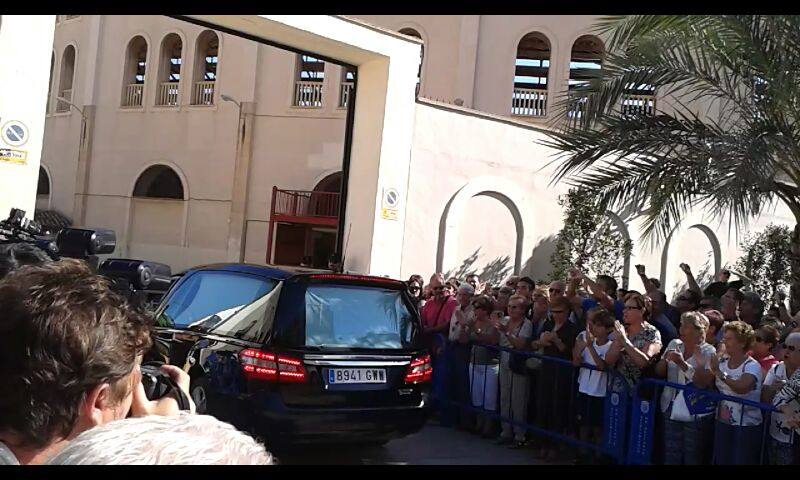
(615,409)
(747,443)
(615,405)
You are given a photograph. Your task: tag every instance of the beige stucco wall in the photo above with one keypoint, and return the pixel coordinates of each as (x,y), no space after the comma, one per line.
(456,156)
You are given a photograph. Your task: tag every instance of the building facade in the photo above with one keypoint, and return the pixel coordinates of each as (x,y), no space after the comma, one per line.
(156,127)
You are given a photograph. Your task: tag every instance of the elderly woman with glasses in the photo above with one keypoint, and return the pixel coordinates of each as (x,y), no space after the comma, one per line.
(554,382)
(484,365)
(685,361)
(635,345)
(515,333)
(782,389)
(738,432)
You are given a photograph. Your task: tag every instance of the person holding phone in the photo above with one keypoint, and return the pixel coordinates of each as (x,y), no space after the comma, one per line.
(515,332)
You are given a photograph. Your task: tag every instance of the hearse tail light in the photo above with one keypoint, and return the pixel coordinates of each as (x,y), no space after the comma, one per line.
(419,370)
(267,366)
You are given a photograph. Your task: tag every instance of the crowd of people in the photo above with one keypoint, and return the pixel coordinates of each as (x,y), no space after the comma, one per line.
(720,338)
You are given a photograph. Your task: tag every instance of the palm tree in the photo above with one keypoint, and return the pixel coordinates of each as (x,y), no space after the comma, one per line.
(728,140)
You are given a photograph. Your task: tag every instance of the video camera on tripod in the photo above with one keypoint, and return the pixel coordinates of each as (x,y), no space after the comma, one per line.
(143,283)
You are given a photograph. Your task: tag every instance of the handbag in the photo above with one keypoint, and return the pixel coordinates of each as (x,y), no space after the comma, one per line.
(516,361)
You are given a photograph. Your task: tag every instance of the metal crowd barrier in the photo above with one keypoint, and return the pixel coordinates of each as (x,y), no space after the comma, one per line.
(646,416)
(630,418)
(615,403)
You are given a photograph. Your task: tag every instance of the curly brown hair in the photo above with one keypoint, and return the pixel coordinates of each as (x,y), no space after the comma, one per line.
(742,331)
(63,331)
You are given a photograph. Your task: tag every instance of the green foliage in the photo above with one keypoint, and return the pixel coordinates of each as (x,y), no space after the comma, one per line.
(588,239)
(734,164)
(765,260)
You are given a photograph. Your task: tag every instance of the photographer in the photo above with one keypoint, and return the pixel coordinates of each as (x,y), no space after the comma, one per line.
(70,350)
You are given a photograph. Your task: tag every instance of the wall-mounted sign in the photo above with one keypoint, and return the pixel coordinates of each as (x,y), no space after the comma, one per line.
(14,133)
(9,155)
(389,201)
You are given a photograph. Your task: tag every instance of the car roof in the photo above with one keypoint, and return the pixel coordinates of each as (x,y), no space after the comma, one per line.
(269,271)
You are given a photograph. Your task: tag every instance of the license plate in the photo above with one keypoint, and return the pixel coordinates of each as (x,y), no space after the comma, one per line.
(356,375)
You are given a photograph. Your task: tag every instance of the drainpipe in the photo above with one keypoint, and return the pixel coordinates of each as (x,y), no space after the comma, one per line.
(84,167)
(237,221)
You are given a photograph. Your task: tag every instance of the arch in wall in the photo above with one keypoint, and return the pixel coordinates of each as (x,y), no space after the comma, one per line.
(50,82)
(43,189)
(713,241)
(620,226)
(503,190)
(414,32)
(158,213)
(66,78)
(531,75)
(170,69)
(159,181)
(204,73)
(135,72)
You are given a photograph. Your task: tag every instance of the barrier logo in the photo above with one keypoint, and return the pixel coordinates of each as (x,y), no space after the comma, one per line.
(15,133)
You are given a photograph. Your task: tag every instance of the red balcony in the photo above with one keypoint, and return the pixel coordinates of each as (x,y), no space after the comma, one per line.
(303,224)
(302,206)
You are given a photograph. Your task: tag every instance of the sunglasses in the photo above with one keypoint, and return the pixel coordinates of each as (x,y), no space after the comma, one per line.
(514,306)
(631,307)
(706,305)
(553,290)
(558,311)
(684,299)
(759,339)
(414,289)
(791,348)
(437,289)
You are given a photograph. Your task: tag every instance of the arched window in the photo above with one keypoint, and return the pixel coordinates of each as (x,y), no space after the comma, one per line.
(65,78)
(169,70)
(43,190)
(531,70)
(43,187)
(159,181)
(348,81)
(587,55)
(205,68)
(135,71)
(50,82)
(309,77)
(413,33)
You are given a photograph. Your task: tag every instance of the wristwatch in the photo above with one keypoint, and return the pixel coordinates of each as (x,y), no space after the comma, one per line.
(722,375)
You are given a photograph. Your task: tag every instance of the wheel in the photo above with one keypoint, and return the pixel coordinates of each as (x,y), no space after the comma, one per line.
(199,393)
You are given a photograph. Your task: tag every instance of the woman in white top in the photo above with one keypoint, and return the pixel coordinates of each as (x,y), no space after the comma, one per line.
(590,348)
(685,361)
(737,439)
